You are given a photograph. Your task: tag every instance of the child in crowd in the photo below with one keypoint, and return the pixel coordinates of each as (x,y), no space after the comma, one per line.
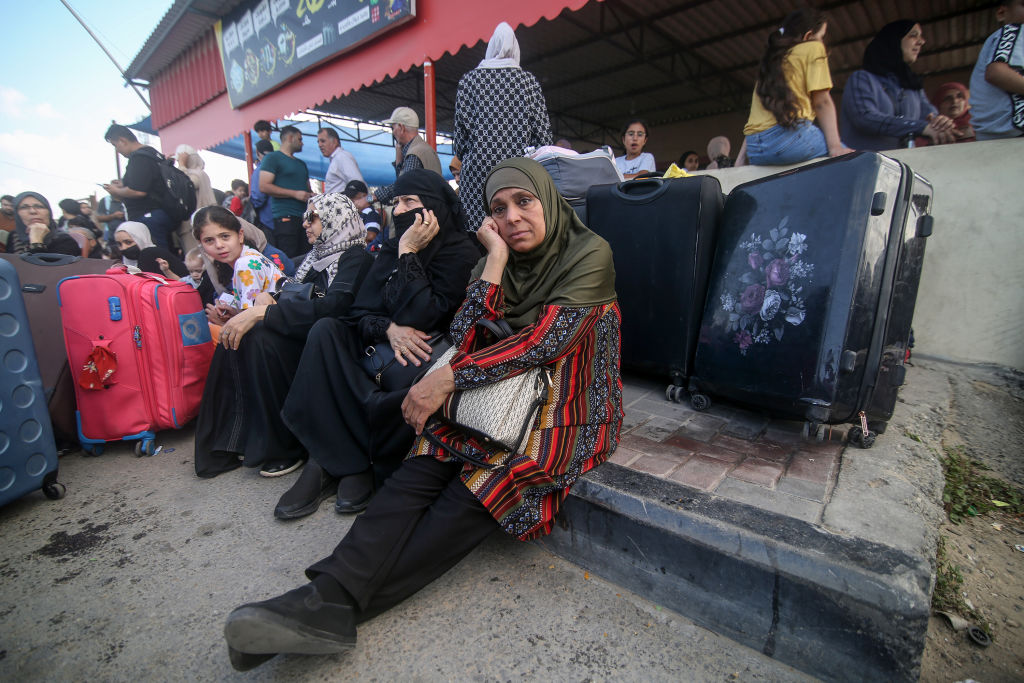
(357,191)
(997,82)
(194,263)
(241,269)
(792,92)
(263,131)
(635,161)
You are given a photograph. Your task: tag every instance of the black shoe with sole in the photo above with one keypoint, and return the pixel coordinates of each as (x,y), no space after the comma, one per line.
(243,661)
(354,492)
(298,622)
(313,486)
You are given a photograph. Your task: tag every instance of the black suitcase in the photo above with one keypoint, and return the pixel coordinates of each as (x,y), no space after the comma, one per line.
(28,455)
(662,235)
(39,275)
(812,293)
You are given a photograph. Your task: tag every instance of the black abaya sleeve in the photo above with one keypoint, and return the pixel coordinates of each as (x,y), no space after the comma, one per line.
(295,318)
(149,255)
(426,297)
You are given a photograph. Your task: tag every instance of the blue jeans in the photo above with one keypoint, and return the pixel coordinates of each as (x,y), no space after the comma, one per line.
(160,225)
(778,146)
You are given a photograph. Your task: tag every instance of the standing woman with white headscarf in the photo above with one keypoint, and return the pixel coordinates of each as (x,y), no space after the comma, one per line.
(499,112)
(192,164)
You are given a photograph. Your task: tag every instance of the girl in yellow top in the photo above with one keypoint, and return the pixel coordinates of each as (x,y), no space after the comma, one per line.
(792,92)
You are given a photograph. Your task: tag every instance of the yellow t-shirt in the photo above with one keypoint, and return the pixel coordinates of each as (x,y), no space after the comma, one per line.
(806,69)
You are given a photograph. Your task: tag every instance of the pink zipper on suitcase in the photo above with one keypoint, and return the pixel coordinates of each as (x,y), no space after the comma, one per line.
(157,334)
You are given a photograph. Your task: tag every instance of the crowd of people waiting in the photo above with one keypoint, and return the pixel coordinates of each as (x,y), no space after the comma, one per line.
(322,361)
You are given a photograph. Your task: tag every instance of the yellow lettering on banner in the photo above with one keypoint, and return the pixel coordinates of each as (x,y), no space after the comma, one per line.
(313,6)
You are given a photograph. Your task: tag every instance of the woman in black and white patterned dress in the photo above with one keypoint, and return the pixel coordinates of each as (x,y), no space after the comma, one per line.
(499,112)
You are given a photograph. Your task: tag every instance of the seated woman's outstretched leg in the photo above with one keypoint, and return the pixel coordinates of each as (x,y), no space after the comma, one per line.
(421,524)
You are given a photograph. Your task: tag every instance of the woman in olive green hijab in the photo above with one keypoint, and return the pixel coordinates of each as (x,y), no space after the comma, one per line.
(551,279)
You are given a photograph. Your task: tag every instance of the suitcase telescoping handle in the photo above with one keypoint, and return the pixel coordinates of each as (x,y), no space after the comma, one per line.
(121,269)
(49,259)
(641,189)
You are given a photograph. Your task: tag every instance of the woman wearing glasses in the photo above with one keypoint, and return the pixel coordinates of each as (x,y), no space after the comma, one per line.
(35,229)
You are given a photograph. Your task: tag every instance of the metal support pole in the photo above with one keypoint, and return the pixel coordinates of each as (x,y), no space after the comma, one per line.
(247,141)
(430,103)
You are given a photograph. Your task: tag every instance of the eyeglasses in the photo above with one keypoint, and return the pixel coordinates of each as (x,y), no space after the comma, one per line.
(635,134)
(31,207)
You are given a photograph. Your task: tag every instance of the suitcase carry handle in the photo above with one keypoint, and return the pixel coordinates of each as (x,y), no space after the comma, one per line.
(641,189)
(121,269)
(49,259)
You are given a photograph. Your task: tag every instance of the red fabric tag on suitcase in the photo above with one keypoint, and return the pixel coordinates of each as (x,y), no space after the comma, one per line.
(99,366)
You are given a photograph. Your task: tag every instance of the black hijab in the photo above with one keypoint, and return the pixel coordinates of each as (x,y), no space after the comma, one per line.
(20,228)
(884,54)
(436,195)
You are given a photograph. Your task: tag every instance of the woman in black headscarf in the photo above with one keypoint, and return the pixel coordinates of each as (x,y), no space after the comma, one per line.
(351,428)
(35,230)
(884,105)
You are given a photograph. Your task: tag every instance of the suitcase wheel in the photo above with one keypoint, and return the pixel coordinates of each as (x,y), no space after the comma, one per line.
(675,393)
(144,447)
(815,428)
(92,449)
(54,490)
(700,401)
(857,437)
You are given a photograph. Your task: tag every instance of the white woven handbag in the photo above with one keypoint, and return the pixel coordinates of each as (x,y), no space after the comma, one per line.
(499,414)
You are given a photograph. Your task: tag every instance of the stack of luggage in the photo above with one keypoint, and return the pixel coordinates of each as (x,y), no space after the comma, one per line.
(796,298)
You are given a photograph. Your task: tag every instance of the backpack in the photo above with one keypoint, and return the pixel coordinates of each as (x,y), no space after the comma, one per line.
(179,200)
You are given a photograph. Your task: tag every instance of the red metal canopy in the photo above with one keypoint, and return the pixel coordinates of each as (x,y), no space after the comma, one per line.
(190,102)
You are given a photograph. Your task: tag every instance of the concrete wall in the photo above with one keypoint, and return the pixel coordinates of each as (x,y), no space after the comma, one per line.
(970,306)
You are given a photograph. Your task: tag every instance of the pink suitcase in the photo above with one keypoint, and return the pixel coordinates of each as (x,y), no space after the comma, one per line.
(157,333)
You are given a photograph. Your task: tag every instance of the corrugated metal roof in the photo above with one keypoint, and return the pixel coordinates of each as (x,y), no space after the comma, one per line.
(667,60)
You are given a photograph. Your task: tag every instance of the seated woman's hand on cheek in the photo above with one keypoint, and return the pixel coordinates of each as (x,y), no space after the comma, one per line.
(419,235)
(427,396)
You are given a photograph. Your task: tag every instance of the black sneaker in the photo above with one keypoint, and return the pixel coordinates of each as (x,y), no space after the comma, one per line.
(298,622)
(312,487)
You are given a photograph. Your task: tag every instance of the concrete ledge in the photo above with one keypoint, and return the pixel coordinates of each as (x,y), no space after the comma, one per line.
(838,607)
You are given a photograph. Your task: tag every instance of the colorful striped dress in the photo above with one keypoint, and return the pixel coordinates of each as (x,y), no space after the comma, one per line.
(576,430)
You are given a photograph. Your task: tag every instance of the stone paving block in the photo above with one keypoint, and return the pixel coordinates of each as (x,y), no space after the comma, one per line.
(746,425)
(813,467)
(703,427)
(657,428)
(833,447)
(680,440)
(765,450)
(784,431)
(633,419)
(659,406)
(624,456)
(803,489)
(701,472)
(632,392)
(646,446)
(773,501)
(658,465)
(758,471)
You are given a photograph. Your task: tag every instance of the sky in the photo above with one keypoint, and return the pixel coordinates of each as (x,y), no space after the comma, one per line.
(59,93)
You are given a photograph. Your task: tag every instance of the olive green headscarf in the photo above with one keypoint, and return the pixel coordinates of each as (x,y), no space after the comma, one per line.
(571,267)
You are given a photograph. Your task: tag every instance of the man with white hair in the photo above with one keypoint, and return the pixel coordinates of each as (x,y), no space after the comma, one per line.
(411,151)
(343,168)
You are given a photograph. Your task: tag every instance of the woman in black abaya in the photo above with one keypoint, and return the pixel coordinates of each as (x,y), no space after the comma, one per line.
(354,431)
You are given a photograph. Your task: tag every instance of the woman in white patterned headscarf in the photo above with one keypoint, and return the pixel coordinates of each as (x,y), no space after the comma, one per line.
(332,225)
(499,112)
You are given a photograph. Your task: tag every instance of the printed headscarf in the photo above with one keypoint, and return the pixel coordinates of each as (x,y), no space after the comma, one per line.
(502,50)
(343,228)
(572,266)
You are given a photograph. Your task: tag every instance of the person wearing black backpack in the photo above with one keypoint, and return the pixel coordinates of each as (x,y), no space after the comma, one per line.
(144,189)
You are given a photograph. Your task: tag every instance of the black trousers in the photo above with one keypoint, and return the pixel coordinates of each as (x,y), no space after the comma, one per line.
(290,236)
(343,420)
(241,409)
(418,526)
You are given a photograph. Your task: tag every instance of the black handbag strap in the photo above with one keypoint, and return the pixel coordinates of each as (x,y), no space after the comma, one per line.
(465,457)
(499,328)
